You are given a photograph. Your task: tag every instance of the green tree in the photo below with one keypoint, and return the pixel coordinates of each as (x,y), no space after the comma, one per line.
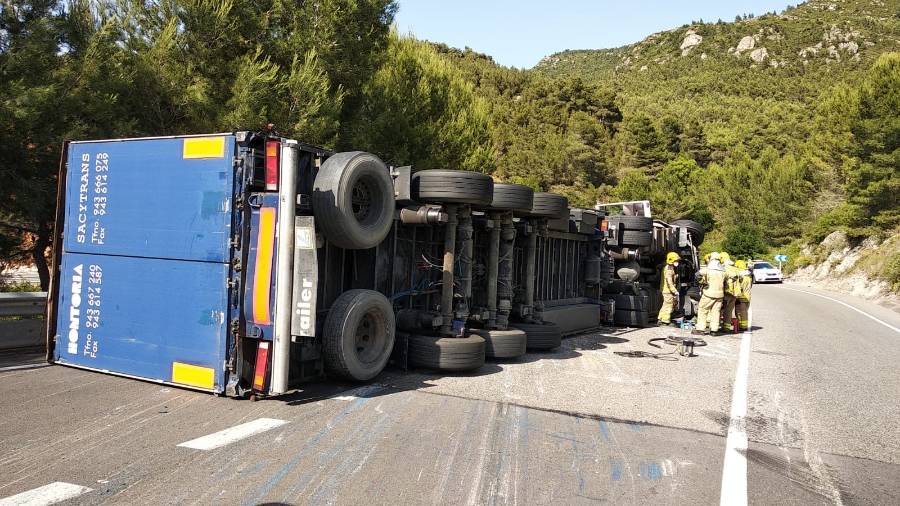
(647,146)
(419,111)
(874,182)
(744,241)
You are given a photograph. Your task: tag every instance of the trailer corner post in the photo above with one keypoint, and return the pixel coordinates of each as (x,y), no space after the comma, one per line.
(287,208)
(447,278)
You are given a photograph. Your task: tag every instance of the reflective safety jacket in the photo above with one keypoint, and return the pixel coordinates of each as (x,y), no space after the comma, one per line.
(732,280)
(668,282)
(745,284)
(713,281)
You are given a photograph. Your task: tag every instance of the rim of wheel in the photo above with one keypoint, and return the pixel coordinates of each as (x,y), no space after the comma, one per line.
(370,337)
(361,201)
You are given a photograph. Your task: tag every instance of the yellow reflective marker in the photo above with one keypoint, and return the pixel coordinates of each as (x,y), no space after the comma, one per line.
(193,375)
(204,147)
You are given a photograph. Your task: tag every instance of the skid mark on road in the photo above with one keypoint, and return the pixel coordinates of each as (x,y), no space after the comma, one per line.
(275,478)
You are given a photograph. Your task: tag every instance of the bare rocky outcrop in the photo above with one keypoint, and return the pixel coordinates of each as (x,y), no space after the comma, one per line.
(747,43)
(691,39)
(838,268)
(759,55)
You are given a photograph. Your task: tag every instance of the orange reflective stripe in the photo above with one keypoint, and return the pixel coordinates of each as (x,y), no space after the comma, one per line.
(262,278)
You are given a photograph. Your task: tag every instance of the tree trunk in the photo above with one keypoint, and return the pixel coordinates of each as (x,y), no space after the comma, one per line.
(39,254)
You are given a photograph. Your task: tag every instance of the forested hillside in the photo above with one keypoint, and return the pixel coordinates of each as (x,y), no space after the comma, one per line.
(766,129)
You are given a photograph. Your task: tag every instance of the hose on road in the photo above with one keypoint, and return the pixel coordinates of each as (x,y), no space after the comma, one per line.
(677,341)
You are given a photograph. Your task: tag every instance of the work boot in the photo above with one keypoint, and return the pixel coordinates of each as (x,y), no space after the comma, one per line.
(663,324)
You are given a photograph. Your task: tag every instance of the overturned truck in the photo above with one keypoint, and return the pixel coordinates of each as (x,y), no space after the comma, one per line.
(637,245)
(246,263)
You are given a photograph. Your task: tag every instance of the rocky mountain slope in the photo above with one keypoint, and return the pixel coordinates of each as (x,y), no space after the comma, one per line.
(743,78)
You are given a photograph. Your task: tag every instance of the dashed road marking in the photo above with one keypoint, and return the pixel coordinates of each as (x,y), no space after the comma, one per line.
(860,311)
(734,470)
(53,493)
(233,434)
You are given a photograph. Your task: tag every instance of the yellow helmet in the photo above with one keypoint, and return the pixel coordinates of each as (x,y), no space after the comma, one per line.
(672,257)
(724,257)
(741,264)
(715,256)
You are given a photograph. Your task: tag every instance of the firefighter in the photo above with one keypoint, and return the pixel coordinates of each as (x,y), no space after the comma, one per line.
(728,302)
(742,307)
(712,279)
(668,285)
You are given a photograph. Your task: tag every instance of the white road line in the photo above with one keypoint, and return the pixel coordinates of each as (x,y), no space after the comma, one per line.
(232,434)
(734,471)
(860,311)
(48,494)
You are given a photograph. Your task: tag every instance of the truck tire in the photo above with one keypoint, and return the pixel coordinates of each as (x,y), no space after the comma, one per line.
(353,200)
(631,302)
(549,205)
(631,318)
(694,229)
(632,222)
(541,336)
(447,353)
(512,197)
(453,187)
(358,335)
(636,238)
(508,343)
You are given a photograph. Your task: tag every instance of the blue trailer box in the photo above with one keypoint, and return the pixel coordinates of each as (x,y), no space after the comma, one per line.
(147,232)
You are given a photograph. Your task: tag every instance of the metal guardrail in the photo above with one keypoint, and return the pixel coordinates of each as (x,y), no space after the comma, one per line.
(22,303)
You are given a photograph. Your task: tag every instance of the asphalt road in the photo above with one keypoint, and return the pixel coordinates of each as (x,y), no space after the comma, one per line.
(580,426)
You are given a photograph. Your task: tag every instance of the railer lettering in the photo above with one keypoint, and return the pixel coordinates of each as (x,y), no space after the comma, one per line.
(305,305)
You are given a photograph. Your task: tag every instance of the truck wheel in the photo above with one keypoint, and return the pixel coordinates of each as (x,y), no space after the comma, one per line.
(447,353)
(353,200)
(695,229)
(632,222)
(541,336)
(452,187)
(508,343)
(631,318)
(549,205)
(636,238)
(631,302)
(512,197)
(358,335)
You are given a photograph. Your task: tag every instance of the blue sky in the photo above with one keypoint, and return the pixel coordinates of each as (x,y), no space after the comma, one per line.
(519,33)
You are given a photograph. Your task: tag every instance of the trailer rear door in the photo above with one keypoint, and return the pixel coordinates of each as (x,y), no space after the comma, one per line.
(146,259)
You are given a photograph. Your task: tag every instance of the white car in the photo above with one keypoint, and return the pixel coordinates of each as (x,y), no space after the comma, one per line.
(764,272)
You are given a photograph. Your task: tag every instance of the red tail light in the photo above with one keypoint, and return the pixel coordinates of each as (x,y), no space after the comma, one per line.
(262,366)
(272,154)
(604,226)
